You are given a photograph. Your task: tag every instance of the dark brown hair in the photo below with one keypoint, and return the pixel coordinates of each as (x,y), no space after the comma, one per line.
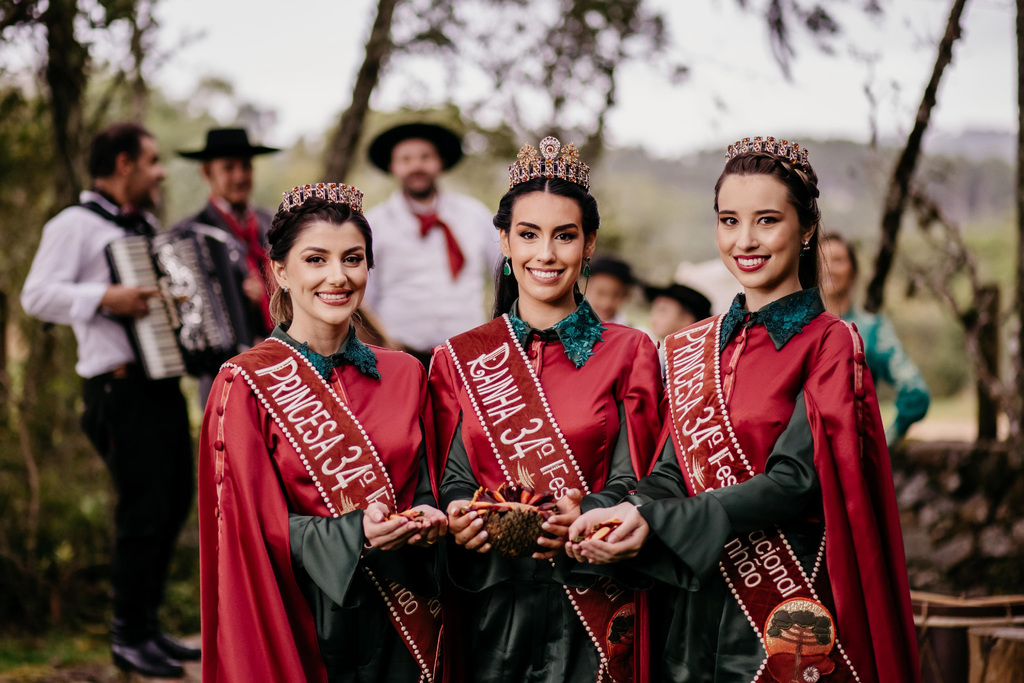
(506,288)
(284,231)
(117,138)
(803,195)
(851,253)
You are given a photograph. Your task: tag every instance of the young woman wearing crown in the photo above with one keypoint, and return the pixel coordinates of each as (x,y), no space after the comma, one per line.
(316,512)
(771,510)
(549,400)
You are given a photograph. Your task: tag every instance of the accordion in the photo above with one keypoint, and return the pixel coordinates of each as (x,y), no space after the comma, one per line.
(198,320)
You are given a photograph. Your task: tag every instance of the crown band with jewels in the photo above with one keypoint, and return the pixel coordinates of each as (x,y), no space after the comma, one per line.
(549,164)
(336,193)
(790,151)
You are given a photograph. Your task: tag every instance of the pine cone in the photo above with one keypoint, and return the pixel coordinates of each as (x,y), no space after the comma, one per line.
(513,516)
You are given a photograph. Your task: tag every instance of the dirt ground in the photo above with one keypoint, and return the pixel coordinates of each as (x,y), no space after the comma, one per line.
(93,673)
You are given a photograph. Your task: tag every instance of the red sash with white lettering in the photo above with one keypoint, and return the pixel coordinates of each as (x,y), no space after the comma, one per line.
(343,465)
(510,404)
(761,569)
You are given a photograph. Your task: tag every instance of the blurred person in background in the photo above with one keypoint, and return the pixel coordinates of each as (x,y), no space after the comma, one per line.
(435,249)
(139,426)
(226,166)
(712,279)
(674,308)
(886,359)
(609,287)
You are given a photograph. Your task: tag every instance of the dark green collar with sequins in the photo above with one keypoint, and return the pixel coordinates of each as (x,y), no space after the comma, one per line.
(351,352)
(783,318)
(578,331)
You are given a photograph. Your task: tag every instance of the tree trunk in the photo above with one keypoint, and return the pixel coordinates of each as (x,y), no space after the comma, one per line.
(899,185)
(1017,425)
(141,21)
(343,145)
(65,77)
(5,395)
(988,341)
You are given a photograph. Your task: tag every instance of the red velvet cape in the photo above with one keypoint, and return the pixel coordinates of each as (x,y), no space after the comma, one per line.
(256,624)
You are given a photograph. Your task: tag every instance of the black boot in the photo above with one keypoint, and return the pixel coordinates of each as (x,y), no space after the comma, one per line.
(141,654)
(176,649)
(171,646)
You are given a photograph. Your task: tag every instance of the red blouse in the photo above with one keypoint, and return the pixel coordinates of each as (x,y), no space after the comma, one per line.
(624,369)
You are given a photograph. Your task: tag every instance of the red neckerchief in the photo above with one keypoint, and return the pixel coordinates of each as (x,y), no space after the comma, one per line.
(255,256)
(429,221)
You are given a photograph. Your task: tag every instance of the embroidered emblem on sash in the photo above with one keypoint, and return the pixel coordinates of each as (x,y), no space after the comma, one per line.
(760,567)
(346,470)
(509,402)
(798,637)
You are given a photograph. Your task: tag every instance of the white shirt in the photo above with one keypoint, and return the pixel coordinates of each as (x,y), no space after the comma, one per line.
(411,287)
(69,276)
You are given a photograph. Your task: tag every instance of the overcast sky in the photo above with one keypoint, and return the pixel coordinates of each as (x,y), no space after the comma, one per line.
(300,60)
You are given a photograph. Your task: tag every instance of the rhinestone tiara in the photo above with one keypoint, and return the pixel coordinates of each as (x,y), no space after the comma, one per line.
(790,151)
(549,164)
(336,193)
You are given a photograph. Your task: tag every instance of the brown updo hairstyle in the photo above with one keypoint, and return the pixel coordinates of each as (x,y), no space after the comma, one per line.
(289,224)
(803,195)
(506,287)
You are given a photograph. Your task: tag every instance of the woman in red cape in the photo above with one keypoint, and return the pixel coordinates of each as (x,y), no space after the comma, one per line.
(602,385)
(770,515)
(311,442)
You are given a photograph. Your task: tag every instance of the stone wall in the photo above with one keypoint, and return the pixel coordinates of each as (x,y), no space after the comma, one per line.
(962,512)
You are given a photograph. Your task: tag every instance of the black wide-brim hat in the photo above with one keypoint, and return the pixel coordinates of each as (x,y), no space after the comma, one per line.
(448,144)
(227,143)
(689,298)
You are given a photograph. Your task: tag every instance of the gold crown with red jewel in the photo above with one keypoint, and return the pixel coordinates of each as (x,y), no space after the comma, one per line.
(790,151)
(549,164)
(336,193)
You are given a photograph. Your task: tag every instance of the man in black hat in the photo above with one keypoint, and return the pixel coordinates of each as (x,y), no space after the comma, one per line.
(673,308)
(433,250)
(227,169)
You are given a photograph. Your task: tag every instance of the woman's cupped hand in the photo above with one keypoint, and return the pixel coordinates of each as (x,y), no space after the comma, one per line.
(387,532)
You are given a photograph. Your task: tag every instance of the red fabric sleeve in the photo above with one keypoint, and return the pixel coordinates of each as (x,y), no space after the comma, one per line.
(429,435)
(444,402)
(864,544)
(256,625)
(644,405)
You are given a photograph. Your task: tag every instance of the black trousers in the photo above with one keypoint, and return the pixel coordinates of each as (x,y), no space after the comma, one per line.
(140,427)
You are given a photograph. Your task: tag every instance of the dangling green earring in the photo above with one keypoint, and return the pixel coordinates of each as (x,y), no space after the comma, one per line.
(506,269)
(586,268)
